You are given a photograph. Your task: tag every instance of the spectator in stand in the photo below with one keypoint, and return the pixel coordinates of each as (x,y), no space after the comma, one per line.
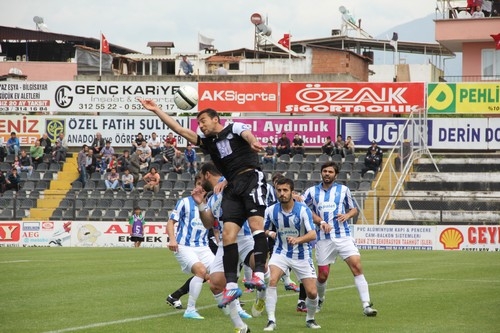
(298,145)
(172,140)
(123,161)
(166,154)
(283,145)
(178,162)
(373,161)
(269,154)
(57,153)
(127,180)
(113,180)
(472,5)
(107,153)
(36,153)
(190,155)
(327,147)
(16,163)
(13,181)
(152,179)
(144,155)
(98,144)
(45,143)
(60,148)
(478,13)
(113,163)
(25,163)
(91,164)
(3,182)
(377,148)
(137,142)
(154,143)
(349,146)
(13,145)
(81,161)
(135,166)
(338,146)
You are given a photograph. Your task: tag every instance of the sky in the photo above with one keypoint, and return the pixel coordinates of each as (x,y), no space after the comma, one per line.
(134,23)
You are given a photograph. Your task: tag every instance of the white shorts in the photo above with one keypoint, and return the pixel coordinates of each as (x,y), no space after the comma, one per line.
(327,250)
(245,246)
(303,268)
(187,256)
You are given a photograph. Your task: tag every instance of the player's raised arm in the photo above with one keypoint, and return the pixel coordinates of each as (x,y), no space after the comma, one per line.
(186,133)
(252,140)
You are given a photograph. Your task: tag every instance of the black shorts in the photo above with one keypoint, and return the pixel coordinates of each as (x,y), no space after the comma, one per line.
(244,196)
(137,239)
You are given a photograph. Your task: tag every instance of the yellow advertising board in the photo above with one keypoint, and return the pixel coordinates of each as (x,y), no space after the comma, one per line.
(468,98)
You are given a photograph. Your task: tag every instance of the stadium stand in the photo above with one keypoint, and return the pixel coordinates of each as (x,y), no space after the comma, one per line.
(53,193)
(465,191)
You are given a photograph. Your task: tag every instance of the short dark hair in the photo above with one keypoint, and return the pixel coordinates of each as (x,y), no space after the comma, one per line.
(331,164)
(210,112)
(210,167)
(276,176)
(197,177)
(284,181)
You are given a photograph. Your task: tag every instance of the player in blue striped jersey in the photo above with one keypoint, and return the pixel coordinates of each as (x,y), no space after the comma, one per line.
(211,213)
(333,206)
(294,227)
(190,245)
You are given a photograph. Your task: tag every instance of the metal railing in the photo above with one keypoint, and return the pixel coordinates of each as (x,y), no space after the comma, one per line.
(469,78)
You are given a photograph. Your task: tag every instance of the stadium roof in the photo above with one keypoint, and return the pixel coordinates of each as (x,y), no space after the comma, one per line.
(368,44)
(41,44)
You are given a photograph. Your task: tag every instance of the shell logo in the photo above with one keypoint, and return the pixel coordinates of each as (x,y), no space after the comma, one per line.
(451,238)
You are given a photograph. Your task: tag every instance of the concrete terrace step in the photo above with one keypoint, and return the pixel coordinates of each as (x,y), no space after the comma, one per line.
(451,177)
(460,164)
(472,186)
(445,204)
(438,216)
(490,159)
(452,195)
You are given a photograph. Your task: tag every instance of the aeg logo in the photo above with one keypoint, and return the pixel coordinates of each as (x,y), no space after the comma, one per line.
(10,232)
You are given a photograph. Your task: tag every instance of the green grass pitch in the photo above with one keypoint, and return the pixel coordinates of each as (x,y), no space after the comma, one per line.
(88,290)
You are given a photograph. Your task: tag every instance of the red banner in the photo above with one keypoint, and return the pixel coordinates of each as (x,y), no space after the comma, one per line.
(359,98)
(238,97)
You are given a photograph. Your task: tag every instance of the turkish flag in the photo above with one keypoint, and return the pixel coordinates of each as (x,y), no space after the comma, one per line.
(104,44)
(496,38)
(285,41)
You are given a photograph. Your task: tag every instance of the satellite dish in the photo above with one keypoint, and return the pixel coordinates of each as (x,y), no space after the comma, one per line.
(38,20)
(40,25)
(346,16)
(263,29)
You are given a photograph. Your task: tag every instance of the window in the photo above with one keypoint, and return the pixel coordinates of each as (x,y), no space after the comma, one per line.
(234,66)
(490,62)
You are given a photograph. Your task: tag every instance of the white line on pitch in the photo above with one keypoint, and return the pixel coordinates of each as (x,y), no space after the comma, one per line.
(128,320)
